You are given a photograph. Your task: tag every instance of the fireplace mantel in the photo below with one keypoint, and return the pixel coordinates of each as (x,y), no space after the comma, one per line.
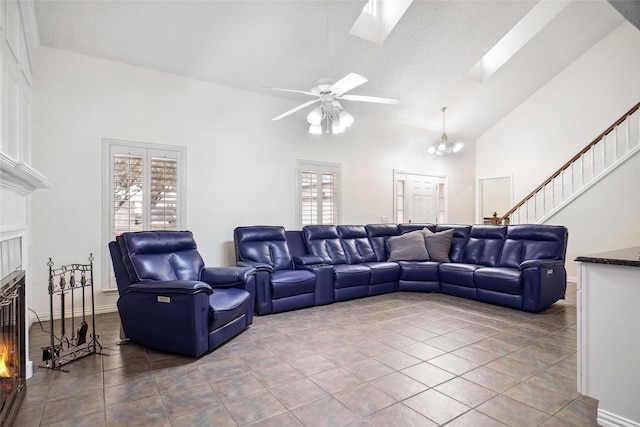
(20,177)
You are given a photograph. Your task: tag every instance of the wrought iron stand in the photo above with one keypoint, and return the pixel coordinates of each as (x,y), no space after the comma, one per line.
(65,349)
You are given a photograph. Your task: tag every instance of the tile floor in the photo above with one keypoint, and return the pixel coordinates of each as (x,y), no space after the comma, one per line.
(403,359)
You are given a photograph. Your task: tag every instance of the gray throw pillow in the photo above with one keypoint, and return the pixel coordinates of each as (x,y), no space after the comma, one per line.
(438,244)
(408,247)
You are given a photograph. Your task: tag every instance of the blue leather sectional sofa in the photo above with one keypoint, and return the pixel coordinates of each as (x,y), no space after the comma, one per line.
(519,266)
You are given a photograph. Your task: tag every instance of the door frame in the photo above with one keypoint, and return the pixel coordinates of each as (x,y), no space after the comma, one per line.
(479,217)
(397,173)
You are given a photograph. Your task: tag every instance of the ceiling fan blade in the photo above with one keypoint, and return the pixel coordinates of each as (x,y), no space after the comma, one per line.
(293,110)
(292,90)
(375,99)
(348,82)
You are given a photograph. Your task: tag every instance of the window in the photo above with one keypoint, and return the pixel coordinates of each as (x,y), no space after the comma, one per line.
(318,193)
(143,186)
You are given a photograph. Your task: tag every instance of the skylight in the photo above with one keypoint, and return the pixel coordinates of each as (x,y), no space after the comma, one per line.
(530,25)
(378,18)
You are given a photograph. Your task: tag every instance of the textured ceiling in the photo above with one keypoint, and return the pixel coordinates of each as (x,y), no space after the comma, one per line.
(251,45)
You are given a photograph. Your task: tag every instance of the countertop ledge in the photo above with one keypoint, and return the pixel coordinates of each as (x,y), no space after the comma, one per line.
(628,256)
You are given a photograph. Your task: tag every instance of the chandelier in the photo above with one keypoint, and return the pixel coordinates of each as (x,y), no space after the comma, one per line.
(334,116)
(444,147)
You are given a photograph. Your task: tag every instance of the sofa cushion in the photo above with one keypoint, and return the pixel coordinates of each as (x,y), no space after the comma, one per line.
(227,305)
(504,280)
(419,271)
(438,244)
(383,272)
(408,247)
(286,283)
(458,274)
(348,275)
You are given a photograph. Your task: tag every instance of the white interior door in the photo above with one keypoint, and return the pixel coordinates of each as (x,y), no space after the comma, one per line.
(420,198)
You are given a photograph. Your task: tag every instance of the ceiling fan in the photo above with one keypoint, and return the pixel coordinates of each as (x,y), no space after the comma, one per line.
(328,92)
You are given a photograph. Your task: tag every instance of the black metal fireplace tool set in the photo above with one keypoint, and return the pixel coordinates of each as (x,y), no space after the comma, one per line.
(75,280)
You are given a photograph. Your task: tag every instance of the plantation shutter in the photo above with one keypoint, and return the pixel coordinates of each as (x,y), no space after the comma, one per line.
(318,193)
(164,194)
(329,198)
(128,193)
(143,191)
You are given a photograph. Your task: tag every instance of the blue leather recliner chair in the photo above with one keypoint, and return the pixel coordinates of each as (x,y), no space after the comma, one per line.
(170,302)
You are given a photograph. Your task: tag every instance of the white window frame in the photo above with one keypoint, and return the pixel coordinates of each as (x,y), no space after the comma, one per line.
(111,147)
(319,168)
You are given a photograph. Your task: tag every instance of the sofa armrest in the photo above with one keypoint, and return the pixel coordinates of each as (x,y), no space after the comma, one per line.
(171,287)
(226,276)
(259,266)
(541,263)
(305,260)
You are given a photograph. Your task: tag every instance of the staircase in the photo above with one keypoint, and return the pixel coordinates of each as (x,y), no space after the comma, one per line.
(610,149)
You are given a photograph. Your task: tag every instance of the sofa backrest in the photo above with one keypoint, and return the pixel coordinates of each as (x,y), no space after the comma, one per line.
(532,241)
(409,227)
(459,241)
(119,269)
(324,241)
(263,243)
(484,245)
(378,235)
(356,244)
(160,255)
(295,242)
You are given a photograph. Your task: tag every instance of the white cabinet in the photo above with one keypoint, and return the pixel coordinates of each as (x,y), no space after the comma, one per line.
(609,336)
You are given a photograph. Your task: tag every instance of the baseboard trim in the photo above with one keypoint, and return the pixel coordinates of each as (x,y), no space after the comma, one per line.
(57,315)
(607,419)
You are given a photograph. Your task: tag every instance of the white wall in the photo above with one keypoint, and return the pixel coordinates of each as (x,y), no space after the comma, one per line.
(546,130)
(240,165)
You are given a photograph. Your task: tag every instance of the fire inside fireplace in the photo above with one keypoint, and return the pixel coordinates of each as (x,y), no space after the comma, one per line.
(12,346)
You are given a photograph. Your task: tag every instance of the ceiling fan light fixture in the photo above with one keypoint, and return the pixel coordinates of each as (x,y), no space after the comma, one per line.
(457,147)
(327,93)
(336,127)
(315,116)
(346,119)
(315,129)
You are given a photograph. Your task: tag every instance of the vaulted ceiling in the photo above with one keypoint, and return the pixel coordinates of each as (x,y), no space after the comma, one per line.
(251,45)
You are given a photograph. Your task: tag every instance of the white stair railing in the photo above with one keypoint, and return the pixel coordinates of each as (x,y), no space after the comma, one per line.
(609,150)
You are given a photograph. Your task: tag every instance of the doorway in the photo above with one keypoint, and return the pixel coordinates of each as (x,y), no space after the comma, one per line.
(419,198)
(494,195)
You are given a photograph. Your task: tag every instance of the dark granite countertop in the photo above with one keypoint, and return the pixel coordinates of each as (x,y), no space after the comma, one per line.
(628,256)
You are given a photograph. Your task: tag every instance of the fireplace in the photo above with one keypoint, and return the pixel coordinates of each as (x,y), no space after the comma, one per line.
(12,346)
